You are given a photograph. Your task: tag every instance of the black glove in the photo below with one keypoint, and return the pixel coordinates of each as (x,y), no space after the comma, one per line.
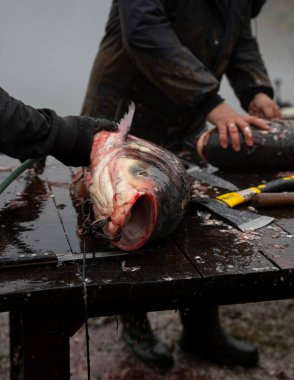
(75,137)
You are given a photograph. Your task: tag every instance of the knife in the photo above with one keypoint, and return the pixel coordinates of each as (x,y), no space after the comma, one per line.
(273,199)
(207,176)
(242,220)
(277,185)
(51,258)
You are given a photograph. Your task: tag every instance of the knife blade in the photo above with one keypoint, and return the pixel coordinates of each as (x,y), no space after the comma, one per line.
(51,258)
(242,220)
(210,178)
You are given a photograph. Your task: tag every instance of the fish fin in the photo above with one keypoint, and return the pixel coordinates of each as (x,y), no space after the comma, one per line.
(124,125)
(101,235)
(99,223)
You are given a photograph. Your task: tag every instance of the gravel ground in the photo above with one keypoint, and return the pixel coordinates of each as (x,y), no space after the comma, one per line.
(268,325)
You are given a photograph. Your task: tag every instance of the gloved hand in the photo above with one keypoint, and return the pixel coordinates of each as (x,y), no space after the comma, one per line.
(75,137)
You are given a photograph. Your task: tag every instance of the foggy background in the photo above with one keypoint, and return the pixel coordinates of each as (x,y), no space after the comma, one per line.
(47,49)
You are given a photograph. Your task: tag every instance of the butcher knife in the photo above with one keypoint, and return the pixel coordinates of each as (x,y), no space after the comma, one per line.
(222,206)
(242,220)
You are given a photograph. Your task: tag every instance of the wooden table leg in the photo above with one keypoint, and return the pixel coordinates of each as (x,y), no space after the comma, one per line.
(46,346)
(16,346)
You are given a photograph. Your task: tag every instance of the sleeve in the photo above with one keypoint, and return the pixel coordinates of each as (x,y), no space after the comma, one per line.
(161,57)
(26,132)
(256,7)
(246,72)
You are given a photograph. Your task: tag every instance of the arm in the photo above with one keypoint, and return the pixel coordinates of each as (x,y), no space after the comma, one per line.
(249,79)
(246,72)
(26,132)
(160,56)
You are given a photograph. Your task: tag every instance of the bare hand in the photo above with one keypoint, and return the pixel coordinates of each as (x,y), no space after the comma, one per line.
(263,106)
(229,122)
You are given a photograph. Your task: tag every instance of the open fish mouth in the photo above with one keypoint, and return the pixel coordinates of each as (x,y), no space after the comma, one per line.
(137,227)
(138,188)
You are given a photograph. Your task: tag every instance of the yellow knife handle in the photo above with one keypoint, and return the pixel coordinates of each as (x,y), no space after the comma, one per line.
(238,197)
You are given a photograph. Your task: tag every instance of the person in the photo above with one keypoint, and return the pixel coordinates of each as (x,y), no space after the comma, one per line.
(169,58)
(26,132)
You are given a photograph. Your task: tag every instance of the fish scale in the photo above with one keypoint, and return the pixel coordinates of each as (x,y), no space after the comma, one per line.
(149,186)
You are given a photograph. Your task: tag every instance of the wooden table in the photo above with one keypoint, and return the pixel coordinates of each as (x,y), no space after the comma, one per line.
(203,262)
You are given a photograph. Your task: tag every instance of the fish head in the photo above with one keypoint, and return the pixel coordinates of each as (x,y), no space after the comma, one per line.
(133,207)
(146,196)
(139,190)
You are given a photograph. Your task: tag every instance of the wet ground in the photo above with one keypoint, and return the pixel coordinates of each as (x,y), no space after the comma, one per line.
(268,325)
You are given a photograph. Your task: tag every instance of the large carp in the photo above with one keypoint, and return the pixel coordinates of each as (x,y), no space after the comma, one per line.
(139,190)
(272,150)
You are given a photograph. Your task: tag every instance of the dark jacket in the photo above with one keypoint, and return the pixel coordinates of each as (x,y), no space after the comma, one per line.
(26,132)
(170,55)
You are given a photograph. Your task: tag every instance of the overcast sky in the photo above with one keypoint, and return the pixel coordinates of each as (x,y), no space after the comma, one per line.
(47,49)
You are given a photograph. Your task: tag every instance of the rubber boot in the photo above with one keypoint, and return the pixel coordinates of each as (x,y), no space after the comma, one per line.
(203,335)
(138,335)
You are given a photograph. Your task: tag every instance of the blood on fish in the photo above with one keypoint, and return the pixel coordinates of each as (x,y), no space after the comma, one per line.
(141,189)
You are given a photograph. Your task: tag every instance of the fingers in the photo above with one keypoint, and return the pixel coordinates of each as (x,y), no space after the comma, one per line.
(247,132)
(259,123)
(234,135)
(94,125)
(223,135)
(233,131)
(231,123)
(104,124)
(253,111)
(277,112)
(272,112)
(263,106)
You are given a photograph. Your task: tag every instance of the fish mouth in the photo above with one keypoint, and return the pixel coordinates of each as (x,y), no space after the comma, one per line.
(140,225)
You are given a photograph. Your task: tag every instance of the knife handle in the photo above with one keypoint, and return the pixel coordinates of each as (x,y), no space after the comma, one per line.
(273,199)
(238,197)
(276,185)
(28,259)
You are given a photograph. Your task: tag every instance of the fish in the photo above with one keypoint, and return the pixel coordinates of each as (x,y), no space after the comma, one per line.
(139,190)
(272,150)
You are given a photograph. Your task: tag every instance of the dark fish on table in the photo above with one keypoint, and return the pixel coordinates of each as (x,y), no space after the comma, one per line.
(139,190)
(272,150)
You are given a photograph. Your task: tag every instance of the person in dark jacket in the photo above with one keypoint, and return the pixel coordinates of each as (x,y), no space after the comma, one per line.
(26,132)
(169,57)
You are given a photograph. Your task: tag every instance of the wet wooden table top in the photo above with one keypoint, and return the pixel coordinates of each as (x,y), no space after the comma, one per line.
(203,261)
